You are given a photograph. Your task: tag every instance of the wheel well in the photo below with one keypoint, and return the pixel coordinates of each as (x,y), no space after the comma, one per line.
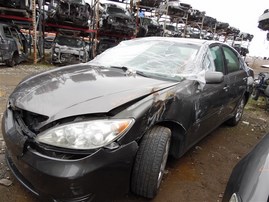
(246,96)
(16,57)
(178,138)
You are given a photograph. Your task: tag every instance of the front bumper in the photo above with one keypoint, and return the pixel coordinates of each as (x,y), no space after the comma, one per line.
(103,173)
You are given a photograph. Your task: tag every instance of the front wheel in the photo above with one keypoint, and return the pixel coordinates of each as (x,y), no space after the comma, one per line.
(13,60)
(150,162)
(238,113)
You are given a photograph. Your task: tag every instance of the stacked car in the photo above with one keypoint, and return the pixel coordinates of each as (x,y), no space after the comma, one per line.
(14,47)
(17,4)
(72,12)
(69,50)
(116,19)
(149,27)
(177,8)
(119,20)
(264,20)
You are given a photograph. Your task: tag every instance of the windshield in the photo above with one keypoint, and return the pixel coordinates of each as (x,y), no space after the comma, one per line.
(170,27)
(71,42)
(148,21)
(165,58)
(78,1)
(113,10)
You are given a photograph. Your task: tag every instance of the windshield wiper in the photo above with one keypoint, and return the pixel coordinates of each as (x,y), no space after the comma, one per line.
(130,72)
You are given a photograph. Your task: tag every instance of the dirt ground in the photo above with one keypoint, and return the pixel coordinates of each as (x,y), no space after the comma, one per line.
(200,175)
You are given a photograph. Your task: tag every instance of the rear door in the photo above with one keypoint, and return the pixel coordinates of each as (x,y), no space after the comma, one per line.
(237,78)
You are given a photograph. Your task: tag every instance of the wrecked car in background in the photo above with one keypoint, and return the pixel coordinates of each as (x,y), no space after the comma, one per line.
(149,27)
(116,19)
(150,3)
(18,4)
(171,30)
(75,12)
(14,47)
(48,42)
(195,15)
(264,21)
(69,50)
(177,8)
(110,124)
(106,43)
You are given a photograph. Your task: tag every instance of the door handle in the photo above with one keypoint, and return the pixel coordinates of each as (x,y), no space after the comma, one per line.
(226,88)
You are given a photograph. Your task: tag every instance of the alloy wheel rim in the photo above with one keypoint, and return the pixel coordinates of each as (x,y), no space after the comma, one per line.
(239,111)
(163,164)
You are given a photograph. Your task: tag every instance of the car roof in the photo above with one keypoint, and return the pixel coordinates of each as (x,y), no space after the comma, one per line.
(5,24)
(180,40)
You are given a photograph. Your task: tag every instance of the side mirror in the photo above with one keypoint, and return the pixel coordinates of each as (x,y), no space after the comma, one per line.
(214,77)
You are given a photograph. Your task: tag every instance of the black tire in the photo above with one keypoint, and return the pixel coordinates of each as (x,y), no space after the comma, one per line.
(238,113)
(267,103)
(150,162)
(12,61)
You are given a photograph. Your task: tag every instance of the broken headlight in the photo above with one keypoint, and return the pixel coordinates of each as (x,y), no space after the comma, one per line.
(87,134)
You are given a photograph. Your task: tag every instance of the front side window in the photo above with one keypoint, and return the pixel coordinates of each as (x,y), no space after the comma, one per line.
(208,63)
(231,58)
(70,42)
(217,58)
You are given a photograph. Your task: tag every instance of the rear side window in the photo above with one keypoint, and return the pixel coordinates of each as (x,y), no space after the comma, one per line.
(217,58)
(7,32)
(231,58)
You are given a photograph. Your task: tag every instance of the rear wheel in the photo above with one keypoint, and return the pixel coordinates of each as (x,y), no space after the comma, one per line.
(150,162)
(238,114)
(12,61)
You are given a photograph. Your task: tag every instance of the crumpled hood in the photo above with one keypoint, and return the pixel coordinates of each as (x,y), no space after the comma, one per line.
(81,89)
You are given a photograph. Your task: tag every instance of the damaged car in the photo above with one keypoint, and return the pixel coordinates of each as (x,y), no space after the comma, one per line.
(17,4)
(249,178)
(171,30)
(116,19)
(106,43)
(264,21)
(14,47)
(69,50)
(177,8)
(149,3)
(149,27)
(108,126)
(75,12)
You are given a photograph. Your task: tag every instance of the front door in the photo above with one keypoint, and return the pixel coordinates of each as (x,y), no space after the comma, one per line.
(211,105)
